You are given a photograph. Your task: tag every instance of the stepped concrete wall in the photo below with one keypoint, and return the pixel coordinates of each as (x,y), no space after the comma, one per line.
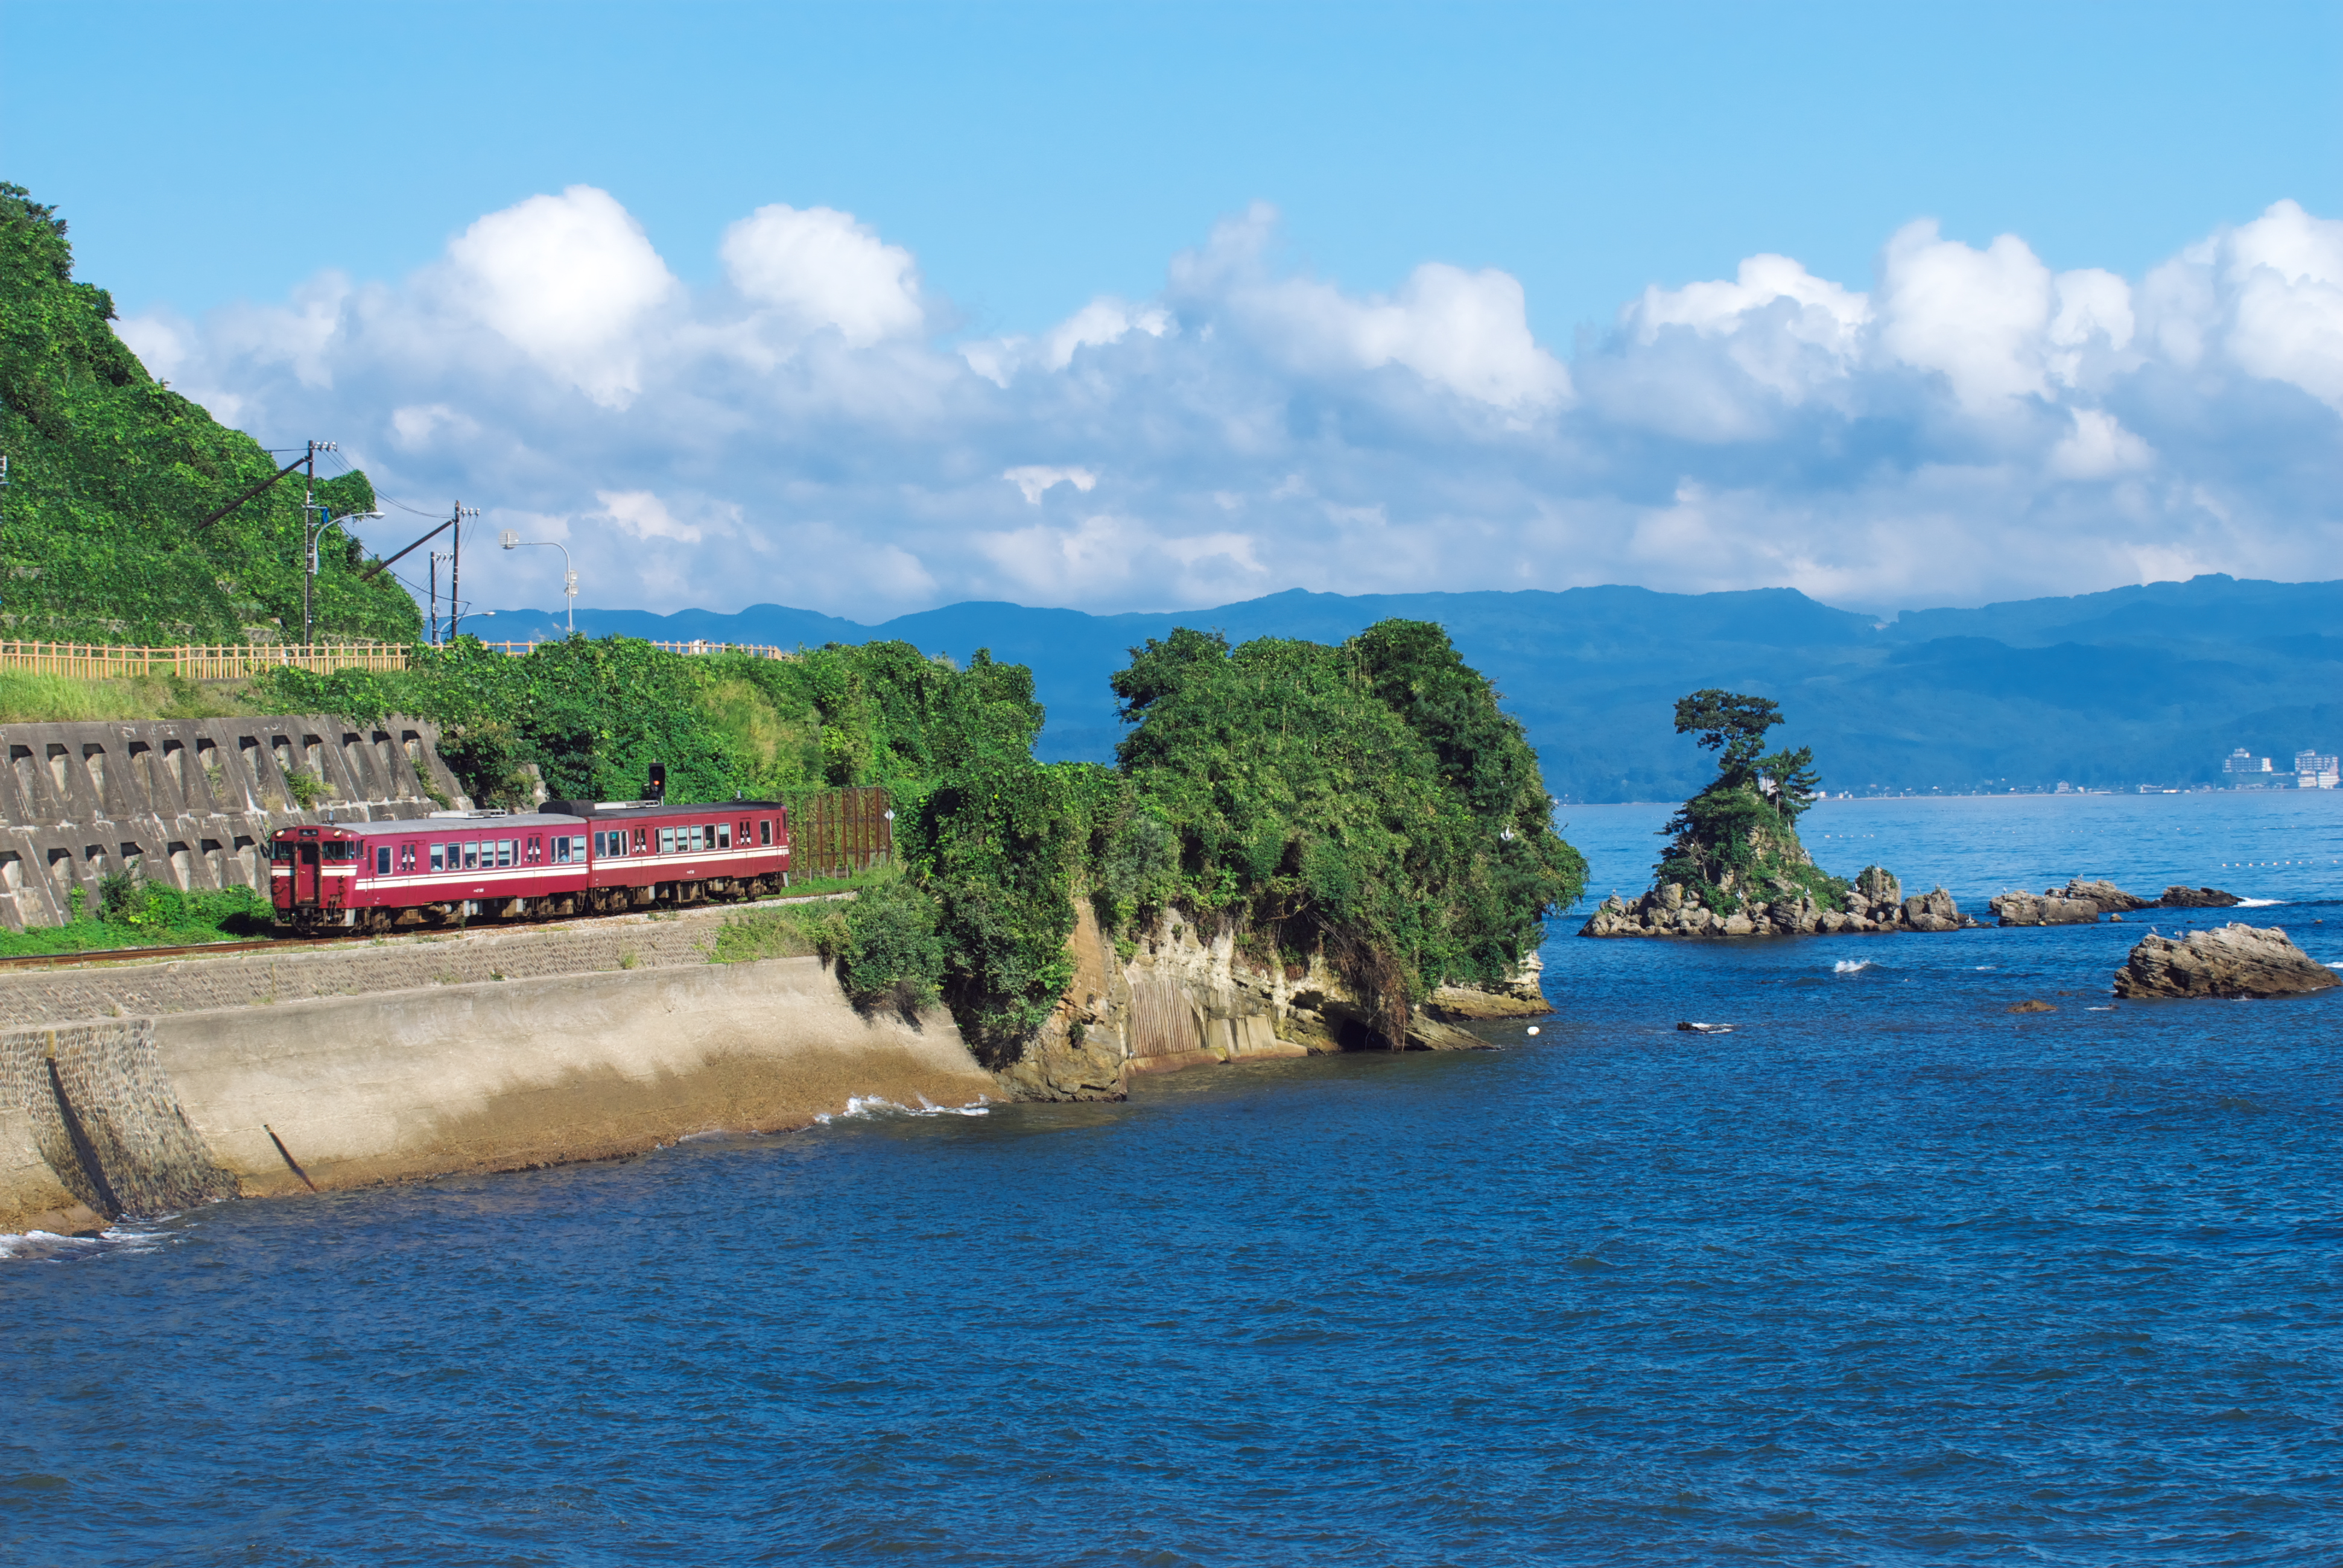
(189,802)
(152,1088)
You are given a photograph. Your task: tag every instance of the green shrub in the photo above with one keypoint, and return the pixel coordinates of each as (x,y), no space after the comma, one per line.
(890,954)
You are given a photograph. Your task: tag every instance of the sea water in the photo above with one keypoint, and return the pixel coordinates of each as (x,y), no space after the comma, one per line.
(1888,1274)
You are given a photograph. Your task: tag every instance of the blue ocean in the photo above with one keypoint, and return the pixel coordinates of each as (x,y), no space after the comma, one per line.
(1886,1275)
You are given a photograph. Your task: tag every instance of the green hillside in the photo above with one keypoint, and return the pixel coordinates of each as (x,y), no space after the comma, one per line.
(109,472)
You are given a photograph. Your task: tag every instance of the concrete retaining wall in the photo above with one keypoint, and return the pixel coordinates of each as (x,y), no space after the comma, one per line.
(341,1067)
(189,802)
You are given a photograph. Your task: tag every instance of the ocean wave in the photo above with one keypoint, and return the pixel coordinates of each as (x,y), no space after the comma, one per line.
(1849,966)
(2258,903)
(862,1107)
(48,1246)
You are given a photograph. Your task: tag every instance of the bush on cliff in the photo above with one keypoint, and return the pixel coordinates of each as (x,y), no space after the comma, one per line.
(109,472)
(1370,798)
(1737,841)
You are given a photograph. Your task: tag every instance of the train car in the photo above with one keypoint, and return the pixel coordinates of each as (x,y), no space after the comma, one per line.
(642,852)
(427,871)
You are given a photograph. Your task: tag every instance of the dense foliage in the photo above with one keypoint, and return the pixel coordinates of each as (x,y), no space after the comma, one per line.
(109,472)
(1737,841)
(1370,798)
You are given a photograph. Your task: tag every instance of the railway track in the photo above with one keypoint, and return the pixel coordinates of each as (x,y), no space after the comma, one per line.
(290,944)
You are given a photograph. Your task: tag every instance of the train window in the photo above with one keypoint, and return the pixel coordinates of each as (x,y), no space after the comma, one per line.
(438,857)
(642,837)
(578,848)
(560,852)
(472,857)
(723,831)
(283,849)
(507,851)
(406,857)
(382,860)
(536,848)
(666,842)
(694,842)
(764,830)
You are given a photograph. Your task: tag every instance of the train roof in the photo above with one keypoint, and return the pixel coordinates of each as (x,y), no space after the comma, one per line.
(660,808)
(437,823)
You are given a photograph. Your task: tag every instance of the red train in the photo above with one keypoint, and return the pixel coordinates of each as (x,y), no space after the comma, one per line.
(574,858)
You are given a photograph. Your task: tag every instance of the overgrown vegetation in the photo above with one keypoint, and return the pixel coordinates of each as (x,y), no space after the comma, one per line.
(133,913)
(110,472)
(28,696)
(1737,841)
(1370,800)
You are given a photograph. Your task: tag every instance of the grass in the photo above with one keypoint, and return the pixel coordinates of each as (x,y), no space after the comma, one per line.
(149,917)
(779,931)
(28,696)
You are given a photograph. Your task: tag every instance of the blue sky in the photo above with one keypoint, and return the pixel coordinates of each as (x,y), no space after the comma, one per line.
(226,170)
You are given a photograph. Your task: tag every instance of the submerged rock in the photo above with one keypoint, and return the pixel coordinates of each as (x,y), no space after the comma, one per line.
(2179,897)
(2031,1005)
(2233,960)
(2045,909)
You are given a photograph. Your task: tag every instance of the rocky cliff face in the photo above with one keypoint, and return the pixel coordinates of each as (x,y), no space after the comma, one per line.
(1189,997)
(1874,903)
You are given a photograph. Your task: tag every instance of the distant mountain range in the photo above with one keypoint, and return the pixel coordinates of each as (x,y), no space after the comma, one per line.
(2139,685)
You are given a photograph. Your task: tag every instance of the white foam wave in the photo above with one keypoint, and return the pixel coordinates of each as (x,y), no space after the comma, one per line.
(860,1107)
(1983,968)
(2258,903)
(1849,966)
(2335,966)
(48,1246)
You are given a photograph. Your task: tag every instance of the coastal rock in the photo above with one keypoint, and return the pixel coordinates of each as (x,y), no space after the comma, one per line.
(1934,911)
(2045,909)
(2111,900)
(1875,903)
(2234,961)
(2179,897)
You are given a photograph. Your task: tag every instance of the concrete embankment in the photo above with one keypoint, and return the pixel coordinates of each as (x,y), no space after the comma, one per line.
(147,1088)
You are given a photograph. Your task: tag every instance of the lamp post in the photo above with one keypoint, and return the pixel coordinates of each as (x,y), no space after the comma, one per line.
(311,534)
(513,541)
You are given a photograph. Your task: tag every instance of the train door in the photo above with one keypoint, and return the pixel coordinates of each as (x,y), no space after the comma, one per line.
(305,874)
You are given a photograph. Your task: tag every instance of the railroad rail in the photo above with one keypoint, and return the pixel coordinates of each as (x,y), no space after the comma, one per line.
(310,944)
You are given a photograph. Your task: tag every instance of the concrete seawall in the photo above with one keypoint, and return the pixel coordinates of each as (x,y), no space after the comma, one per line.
(174,1105)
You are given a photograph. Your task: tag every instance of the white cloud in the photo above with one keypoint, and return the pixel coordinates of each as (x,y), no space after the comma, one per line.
(1970,426)
(1976,317)
(818,267)
(567,279)
(1033,478)
(644,516)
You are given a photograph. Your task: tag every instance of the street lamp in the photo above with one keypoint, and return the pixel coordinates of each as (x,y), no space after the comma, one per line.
(513,541)
(311,534)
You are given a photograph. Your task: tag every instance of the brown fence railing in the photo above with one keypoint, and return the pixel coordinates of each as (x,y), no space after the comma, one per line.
(838,832)
(754,650)
(196,661)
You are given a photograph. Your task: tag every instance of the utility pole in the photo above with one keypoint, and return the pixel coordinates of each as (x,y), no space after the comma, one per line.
(456,568)
(309,538)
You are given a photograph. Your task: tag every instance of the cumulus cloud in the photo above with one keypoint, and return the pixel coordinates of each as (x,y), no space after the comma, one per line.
(1966,423)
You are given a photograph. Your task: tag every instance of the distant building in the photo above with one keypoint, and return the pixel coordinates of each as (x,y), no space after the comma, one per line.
(2241,770)
(2312,771)
(2065,788)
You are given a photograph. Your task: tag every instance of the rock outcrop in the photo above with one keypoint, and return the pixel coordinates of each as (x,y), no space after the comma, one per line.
(2233,960)
(2181,898)
(1184,997)
(2047,909)
(1874,903)
(2111,900)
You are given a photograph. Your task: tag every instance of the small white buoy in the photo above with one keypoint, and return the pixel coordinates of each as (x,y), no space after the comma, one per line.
(1532,1029)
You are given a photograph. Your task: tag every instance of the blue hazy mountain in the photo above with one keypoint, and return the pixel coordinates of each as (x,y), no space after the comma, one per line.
(2151,684)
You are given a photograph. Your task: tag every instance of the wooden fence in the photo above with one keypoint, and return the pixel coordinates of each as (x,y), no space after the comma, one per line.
(754,650)
(838,832)
(195,661)
(233,661)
